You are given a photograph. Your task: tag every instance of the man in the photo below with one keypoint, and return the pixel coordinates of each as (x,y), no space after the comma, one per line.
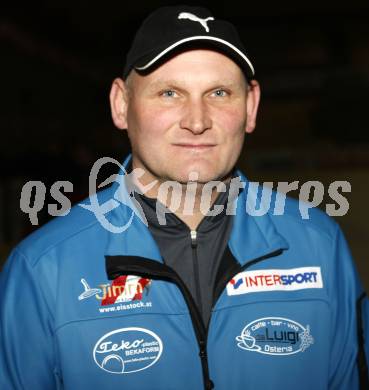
(193,294)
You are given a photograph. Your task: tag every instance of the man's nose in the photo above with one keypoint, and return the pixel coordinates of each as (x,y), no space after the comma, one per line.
(196,117)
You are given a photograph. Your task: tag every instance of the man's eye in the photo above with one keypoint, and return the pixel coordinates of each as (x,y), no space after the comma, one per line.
(220,93)
(168,93)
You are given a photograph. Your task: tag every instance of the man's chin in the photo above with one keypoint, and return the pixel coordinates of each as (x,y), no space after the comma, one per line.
(200,177)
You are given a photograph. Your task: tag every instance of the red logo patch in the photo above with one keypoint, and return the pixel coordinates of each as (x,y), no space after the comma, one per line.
(125,288)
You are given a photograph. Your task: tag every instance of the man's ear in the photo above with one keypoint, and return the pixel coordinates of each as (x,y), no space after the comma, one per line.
(253,98)
(119,103)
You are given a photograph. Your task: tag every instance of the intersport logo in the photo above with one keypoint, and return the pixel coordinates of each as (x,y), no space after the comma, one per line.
(275,280)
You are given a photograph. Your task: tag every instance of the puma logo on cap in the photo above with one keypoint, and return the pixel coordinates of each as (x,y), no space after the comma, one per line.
(194,18)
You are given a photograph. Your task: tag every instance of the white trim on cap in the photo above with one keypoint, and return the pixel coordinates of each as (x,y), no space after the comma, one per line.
(239,52)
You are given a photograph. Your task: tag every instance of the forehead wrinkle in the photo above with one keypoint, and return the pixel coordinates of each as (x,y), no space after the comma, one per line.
(158,84)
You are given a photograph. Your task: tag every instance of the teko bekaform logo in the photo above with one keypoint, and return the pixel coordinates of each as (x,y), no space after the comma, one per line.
(127,350)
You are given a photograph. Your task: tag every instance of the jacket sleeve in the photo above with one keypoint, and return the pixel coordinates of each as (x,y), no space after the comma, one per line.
(26,330)
(350,322)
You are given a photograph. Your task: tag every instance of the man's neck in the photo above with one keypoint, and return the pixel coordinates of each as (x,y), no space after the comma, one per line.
(190,201)
(193,207)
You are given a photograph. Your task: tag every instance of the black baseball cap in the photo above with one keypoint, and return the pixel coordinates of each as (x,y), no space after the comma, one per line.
(171,30)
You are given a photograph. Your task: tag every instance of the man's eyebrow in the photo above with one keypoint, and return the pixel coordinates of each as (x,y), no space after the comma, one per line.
(231,84)
(159,84)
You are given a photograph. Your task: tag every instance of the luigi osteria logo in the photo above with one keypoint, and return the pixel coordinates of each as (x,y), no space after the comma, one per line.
(275,336)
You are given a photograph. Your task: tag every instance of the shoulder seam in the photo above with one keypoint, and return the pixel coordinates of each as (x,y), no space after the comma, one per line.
(314,226)
(49,248)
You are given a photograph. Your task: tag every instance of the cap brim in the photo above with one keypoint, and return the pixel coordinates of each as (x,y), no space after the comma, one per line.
(156,58)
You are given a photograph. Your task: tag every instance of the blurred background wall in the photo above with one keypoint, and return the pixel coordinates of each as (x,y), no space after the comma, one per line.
(58,60)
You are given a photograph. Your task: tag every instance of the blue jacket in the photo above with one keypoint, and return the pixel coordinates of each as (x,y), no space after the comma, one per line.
(84,308)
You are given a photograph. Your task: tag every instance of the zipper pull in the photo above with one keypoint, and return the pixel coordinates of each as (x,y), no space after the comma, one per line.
(202,353)
(193,238)
(209,384)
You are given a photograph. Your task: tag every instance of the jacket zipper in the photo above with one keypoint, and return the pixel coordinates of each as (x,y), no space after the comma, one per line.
(196,271)
(124,265)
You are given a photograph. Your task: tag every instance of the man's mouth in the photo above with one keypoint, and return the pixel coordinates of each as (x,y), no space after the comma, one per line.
(203,146)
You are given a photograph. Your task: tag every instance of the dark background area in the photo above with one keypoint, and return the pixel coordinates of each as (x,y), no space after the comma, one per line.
(58,60)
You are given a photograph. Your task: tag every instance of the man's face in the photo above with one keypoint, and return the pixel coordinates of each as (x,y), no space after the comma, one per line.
(189,115)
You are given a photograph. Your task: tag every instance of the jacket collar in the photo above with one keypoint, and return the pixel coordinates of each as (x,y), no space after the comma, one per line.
(251,237)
